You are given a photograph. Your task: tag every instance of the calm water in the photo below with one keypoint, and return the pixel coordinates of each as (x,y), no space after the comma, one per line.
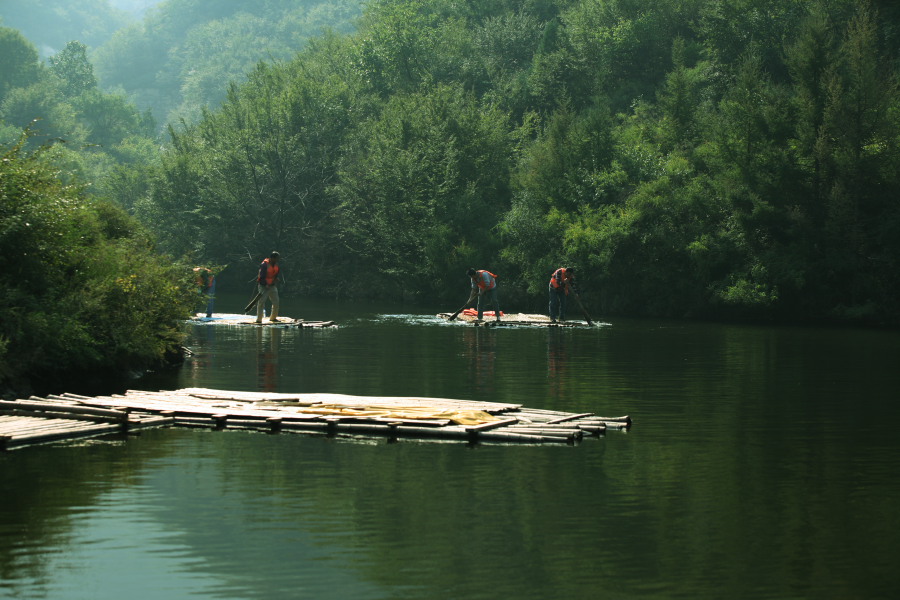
(762,463)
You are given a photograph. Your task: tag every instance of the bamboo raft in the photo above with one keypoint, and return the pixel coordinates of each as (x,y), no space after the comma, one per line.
(42,420)
(506,320)
(235,319)
(328,414)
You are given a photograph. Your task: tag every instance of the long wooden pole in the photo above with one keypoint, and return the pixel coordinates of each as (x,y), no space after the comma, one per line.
(583,309)
(468,302)
(252,302)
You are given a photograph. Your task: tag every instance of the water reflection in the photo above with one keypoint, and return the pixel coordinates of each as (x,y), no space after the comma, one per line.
(480,348)
(557,361)
(762,465)
(203,354)
(268,340)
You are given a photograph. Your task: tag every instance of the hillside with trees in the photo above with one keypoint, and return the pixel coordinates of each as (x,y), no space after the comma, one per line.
(175,58)
(703,158)
(699,158)
(178,60)
(51,24)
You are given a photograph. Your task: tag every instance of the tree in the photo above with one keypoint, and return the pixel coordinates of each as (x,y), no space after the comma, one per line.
(568,171)
(110,118)
(50,24)
(82,288)
(730,29)
(859,137)
(75,72)
(422,188)
(752,129)
(20,66)
(679,98)
(255,175)
(38,108)
(811,58)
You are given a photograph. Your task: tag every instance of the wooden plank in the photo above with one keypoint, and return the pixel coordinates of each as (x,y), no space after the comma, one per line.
(570,418)
(572,434)
(491,425)
(505,436)
(69,433)
(63,408)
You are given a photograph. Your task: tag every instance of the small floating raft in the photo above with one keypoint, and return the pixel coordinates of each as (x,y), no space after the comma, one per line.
(470,316)
(235,319)
(338,414)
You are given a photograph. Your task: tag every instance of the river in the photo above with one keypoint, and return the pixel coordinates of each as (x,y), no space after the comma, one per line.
(762,463)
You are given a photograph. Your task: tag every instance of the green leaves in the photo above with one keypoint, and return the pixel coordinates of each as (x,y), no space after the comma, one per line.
(80,284)
(74,71)
(425,178)
(703,157)
(20,66)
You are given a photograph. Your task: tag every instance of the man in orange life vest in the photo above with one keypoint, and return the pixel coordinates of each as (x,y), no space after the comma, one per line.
(485,283)
(267,284)
(560,282)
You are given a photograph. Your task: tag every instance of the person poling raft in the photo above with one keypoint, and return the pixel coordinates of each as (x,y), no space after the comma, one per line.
(562,283)
(562,280)
(484,283)
(267,288)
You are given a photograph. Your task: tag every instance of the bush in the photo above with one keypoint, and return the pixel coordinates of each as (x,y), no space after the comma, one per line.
(81,288)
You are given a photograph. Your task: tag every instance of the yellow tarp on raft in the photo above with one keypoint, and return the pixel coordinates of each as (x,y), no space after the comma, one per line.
(460,417)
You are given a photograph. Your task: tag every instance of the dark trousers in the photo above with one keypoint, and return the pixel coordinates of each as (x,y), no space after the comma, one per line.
(492,294)
(557,303)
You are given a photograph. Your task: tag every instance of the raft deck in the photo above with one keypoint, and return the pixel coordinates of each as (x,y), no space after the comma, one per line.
(235,319)
(520,319)
(329,414)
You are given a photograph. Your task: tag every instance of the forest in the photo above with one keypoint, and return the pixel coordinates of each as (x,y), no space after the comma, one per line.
(706,159)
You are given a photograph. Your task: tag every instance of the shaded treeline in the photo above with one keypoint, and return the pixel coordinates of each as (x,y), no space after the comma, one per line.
(83,292)
(702,158)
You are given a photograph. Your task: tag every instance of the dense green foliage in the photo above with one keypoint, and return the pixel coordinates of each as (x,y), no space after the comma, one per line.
(74,324)
(82,289)
(702,158)
(103,133)
(712,158)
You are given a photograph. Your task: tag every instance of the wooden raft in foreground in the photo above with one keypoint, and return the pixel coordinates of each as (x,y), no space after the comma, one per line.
(506,320)
(332,414)
(235,319)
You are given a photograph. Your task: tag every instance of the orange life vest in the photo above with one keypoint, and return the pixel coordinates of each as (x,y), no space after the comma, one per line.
(560,277)
(267,273)
(485,283)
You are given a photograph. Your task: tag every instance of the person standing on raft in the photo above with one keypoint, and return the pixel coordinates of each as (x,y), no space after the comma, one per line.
(206,283)
(267,285)
(484,283)
(560,282)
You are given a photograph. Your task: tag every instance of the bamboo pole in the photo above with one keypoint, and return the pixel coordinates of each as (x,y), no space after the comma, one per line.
(26,405)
